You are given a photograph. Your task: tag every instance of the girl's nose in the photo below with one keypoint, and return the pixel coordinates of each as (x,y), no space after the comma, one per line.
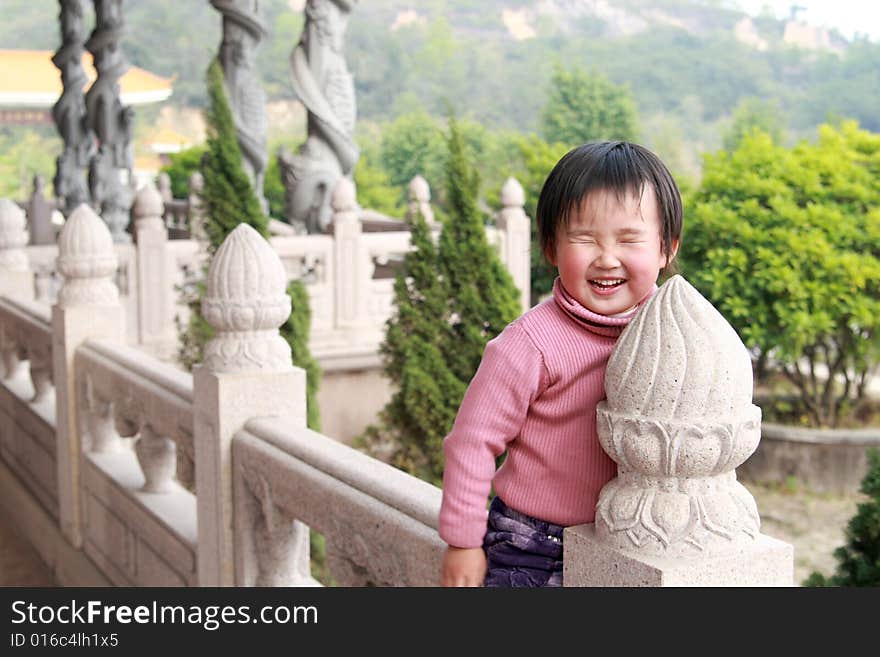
(607,259)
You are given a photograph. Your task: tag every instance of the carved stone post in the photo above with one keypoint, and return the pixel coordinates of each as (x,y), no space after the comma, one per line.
(16,277)
(111,122)
(88,307)
(677,420)
(325,87)
(243,30)
(420,200)
(69,112)
(196,211)
(40,215)
(517,239)
(155,312)
(247,373)
(352,266)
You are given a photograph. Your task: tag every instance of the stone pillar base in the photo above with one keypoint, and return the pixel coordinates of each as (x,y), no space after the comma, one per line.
(589,562)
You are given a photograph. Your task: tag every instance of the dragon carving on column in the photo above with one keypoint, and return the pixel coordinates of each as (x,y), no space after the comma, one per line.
(69,112)
(243,29)
(325,87)
(111,122)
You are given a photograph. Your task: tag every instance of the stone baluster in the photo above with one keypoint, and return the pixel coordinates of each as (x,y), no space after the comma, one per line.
(353,265)
(87,307)
(39,356)
(247,372)
(16,277)
(157,456)
(678,420)
(196,209)
(517,241)
(420,201)
(100,422)
(155,306)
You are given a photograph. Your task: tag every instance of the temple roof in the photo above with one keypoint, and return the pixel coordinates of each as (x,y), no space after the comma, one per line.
(28,78)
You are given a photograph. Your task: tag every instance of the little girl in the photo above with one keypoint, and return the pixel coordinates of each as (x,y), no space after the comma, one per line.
(610,218)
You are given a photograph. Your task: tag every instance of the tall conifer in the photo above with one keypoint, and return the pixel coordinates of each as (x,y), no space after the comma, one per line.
(483,297)
(450,300)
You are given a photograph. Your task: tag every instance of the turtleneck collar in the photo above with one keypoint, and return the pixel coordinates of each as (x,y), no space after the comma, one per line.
(593,322)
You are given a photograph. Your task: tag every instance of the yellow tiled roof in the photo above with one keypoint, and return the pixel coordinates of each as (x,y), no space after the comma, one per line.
(165,139)
(29,78)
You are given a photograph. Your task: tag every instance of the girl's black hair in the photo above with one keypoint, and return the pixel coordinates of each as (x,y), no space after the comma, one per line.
(618,166)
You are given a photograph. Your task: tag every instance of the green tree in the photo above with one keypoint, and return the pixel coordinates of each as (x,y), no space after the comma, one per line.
(230,200)
(449,301)
(754,114)
(584,106)
(422,409)
(228,197)
(858,562)
(483,298)
(181,166)
(786,244)
(296,330)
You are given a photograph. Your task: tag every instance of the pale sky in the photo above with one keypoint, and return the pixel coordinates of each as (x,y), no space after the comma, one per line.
(848,16)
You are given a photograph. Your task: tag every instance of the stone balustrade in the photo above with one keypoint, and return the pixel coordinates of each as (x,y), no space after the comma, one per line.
(155,477)
(350,287)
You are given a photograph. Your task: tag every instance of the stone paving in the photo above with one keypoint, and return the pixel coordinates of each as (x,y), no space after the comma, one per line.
(20,565)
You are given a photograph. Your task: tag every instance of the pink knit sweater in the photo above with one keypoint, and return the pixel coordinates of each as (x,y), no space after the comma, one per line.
(535,395)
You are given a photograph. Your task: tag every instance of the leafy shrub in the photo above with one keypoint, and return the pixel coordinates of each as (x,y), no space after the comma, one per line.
(786,244)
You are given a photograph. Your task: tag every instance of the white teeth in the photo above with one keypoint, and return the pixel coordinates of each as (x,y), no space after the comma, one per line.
(608,283)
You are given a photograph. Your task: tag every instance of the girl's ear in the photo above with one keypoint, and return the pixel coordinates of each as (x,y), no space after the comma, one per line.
(671,255)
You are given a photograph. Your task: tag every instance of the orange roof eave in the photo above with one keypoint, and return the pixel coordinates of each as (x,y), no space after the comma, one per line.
(29,78)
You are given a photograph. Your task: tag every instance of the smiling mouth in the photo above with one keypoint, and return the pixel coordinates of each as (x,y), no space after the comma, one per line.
(607,284)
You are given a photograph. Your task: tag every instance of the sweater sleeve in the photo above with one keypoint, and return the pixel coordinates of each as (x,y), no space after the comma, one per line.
(510,376)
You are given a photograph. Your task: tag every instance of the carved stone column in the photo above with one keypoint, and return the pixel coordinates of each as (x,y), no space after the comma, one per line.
(69,111)
(154,265)
(420,201)
(247,373)
(326,88)
(196,211)
(678,420)
(514,222)
(111,168)
(243,30)
(352,263)
(88,307)
(16,277)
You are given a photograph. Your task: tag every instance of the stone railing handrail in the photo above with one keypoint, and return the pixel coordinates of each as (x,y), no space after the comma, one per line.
(378,522)
(389,485)
(142,392)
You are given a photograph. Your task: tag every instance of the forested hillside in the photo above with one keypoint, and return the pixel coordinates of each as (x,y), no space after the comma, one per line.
(493,58)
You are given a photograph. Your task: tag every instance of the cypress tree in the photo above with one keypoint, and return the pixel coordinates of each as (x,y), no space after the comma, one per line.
(483,298)
(296,331)
(230,200)
(228,195)
(858,562)
(422,409)
(450,300)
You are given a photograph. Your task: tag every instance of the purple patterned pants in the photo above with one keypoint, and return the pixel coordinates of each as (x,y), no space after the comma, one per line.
(520,550)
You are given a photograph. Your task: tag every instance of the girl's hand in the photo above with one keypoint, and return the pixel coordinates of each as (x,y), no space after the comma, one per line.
(463,567)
